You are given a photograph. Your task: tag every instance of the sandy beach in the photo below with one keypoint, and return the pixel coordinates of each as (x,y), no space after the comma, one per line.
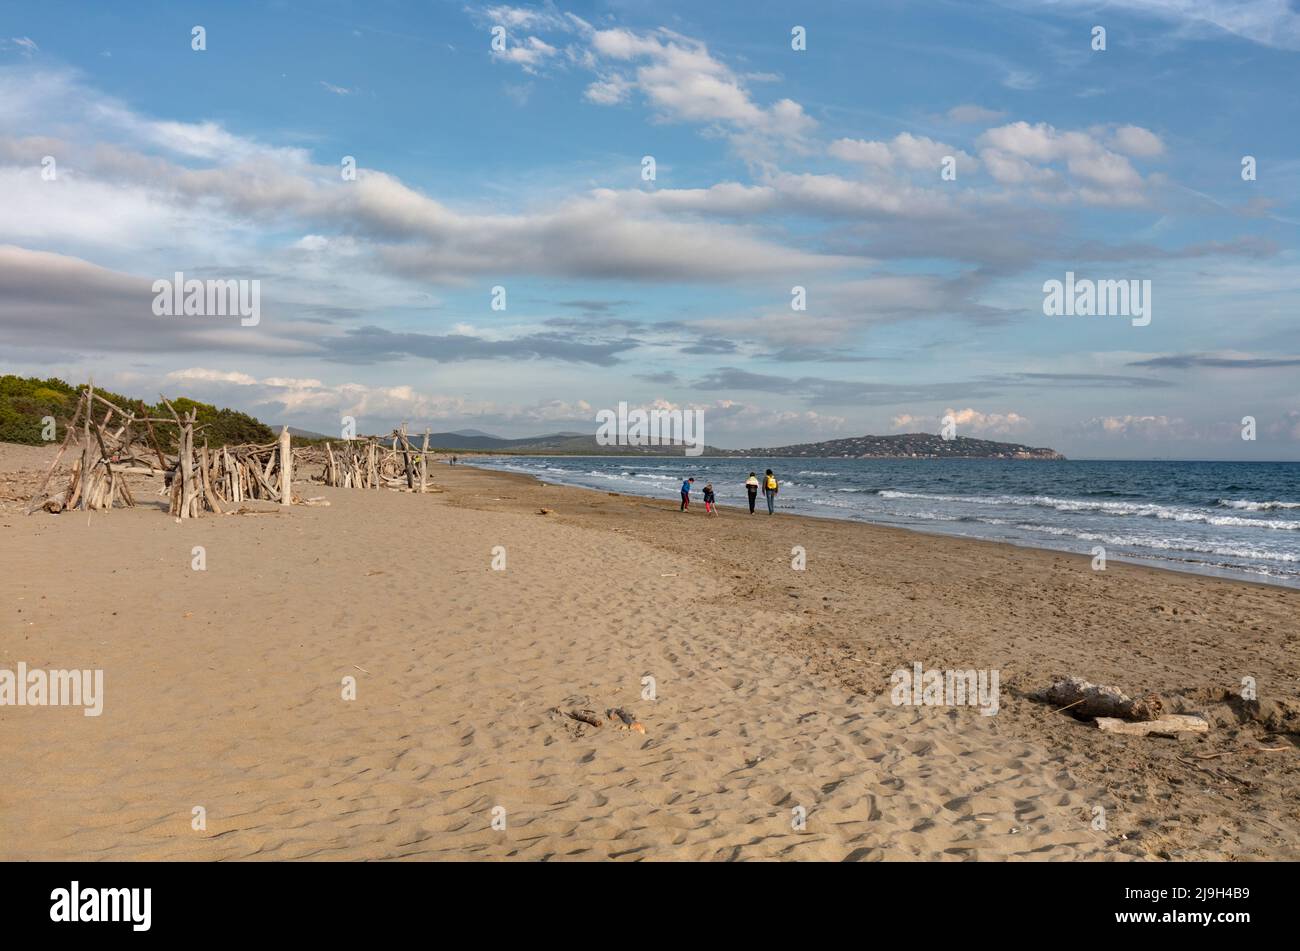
(224,688)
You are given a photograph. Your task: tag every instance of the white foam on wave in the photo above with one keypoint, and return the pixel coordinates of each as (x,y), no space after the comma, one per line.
(1136,509)
(1249,506)
(1167,543)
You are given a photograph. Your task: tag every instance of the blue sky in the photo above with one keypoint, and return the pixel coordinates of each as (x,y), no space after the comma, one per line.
(774,168)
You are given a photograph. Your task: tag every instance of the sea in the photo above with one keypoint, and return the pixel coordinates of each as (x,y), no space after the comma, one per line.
(1233,519)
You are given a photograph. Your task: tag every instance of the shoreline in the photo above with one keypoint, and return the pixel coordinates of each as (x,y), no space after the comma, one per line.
(1113,556)
(222,688)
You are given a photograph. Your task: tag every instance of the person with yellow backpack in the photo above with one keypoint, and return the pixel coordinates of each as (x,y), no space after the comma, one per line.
(770,488)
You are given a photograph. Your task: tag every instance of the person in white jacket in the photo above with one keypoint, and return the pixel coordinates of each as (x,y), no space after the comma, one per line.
(751,486)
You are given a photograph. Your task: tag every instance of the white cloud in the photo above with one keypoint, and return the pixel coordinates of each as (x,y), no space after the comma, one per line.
(1288,426)
(683,81)
(915,152)
(122,196)
(967,421)
(1136,427)
(732,416)
(832,195)
(974,115)
(530,54)
(677,75)
(375,407)
(1013,170)
(201,375)
(607,92)
(1137,141)
(1020,80)
(1019,152)
(546,17)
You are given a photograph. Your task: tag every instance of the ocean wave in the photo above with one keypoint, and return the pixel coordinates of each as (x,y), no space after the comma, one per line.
(1134,509)
(1166,543)
(1249,506)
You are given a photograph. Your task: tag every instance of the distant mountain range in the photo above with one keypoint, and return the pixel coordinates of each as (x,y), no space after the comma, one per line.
(908,446)
(902,446)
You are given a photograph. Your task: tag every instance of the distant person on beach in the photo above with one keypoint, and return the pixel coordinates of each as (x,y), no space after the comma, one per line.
(686,493)
(709,507)
(770,488)
(453,460)
(751,486)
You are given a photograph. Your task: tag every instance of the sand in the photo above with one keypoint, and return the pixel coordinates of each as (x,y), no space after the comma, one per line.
(224,687)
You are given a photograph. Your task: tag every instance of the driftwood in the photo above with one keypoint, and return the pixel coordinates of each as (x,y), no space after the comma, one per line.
(372,463)
(406,458)
(198,480)
(1167,725)
(1085,700)
(586,716)
(95,480)
(285,457)
(424,462)
(39,499)
(355,464)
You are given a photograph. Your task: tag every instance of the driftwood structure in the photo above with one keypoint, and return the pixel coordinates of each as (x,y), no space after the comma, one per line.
(106,451)
(355,465)
(205,479)
(373,463)
(197,479)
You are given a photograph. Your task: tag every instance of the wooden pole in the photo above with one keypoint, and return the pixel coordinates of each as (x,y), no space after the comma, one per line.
(209,490)
(185,473)
(333,472)
(424,460)
(286,468)
(406,459)
(85,448)
(108,466)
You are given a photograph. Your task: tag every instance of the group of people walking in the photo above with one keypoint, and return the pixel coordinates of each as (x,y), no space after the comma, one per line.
(753,484)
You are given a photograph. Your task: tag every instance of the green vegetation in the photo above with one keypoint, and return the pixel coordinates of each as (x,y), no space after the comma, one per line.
(26,401)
